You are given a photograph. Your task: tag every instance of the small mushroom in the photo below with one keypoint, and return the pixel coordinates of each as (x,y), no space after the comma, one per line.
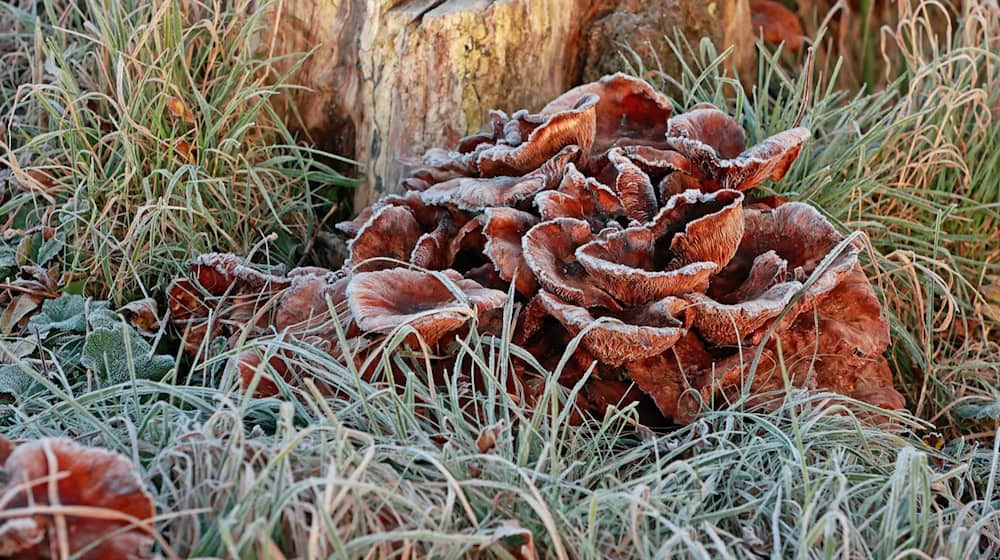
(633,334)
(779,250)
(706,227)
(391,233)
(475,194)
(504,229)
(306,305)
(701,232)
(624,264)
(714,143)
(633,187)
(580,197)
(60,473)
(628,110)
(439,249)
(384,300)
(219,273)
(550,249)
(549,134)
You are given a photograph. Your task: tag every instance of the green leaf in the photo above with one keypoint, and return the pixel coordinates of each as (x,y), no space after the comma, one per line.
(115,353)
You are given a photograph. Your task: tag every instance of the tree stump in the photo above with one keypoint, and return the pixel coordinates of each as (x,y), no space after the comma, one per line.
(389,79)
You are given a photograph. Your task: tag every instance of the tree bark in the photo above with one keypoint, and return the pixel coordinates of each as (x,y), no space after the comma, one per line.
(389,79)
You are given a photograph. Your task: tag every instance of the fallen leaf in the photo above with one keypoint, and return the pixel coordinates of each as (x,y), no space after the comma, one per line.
(183,147)
(178,109)
(142,314)
(487,439)
(516,540)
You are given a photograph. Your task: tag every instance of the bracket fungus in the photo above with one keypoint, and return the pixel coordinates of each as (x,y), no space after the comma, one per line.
(612,220)
(61,498)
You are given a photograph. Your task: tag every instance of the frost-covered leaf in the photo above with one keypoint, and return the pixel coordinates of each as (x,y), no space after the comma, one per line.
(14,380)
(70,314)
(981,410)
(8,260)
(114,353)
(47,249)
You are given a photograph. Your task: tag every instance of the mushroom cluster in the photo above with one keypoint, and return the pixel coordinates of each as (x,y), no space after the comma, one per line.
(60,498)
(612,222)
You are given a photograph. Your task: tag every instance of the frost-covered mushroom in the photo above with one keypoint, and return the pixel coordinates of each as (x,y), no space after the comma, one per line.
(550,249)
(384,300)
(633,187)
(628,111)
(715,145)
(534,139)
(613,218)
(391,233)
(632,334)
(504,229)
(705,227)
(219,273)
(624,264)
(692,237)
(580,197)
(777,23)
(439,249)
(477,193)
(306,305)
(73,496)
(224,295)
(780,249)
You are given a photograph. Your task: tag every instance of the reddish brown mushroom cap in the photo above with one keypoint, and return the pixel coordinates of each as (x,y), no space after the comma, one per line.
(550,251)
(623,264)
(777,23)
(438,249)
(744,322)
(714,141)
(582,198)
(633,187)
(391,233)
(754,288)
(655,161)
(85,477)
(221,272)
(709,226)
(614,342)
(387,299)
(629,110)
(549,134)
(504,229)
(798,234)
(706,131)
(306,305)
(474,193)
